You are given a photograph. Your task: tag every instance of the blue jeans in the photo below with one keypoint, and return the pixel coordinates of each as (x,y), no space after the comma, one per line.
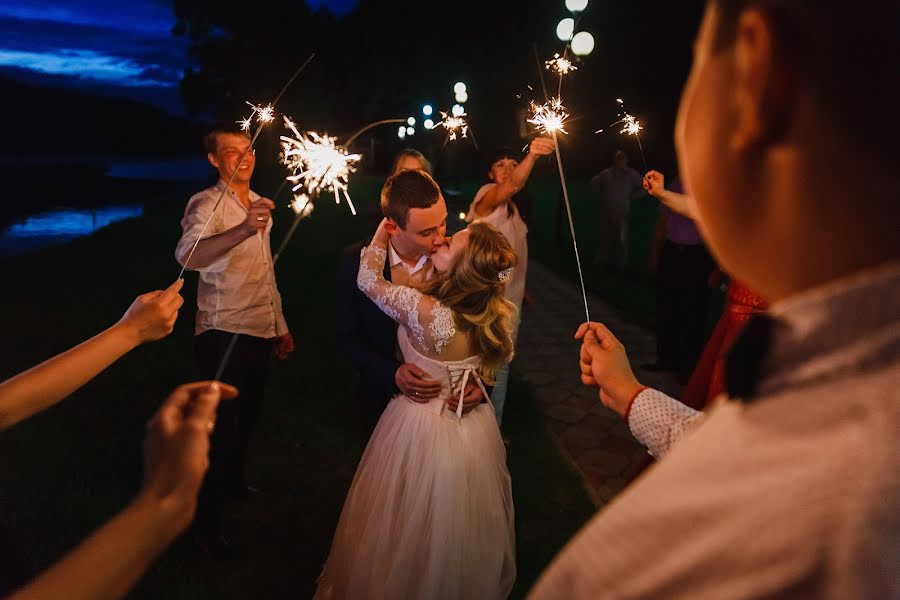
(498,395)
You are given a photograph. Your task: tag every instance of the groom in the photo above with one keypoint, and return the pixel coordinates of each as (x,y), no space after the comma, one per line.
(416,216)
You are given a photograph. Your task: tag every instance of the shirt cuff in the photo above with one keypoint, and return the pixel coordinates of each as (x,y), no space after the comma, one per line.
(631,402)
(659,421)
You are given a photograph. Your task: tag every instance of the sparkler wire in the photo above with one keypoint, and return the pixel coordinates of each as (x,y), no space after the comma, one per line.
(565,191)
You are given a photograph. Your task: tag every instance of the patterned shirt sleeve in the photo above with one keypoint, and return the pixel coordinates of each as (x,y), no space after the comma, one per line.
(658,421)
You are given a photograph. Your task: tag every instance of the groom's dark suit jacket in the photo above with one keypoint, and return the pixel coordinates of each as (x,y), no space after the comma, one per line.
(368,337)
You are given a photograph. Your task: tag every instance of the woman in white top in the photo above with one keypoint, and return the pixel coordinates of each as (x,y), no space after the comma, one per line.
(494,204)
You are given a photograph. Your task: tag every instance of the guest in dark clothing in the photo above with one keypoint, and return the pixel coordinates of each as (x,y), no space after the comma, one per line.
(683,269)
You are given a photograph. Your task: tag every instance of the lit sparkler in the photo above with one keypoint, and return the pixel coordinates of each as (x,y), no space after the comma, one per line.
(630,126)
(454,124)
(301,204)
(560,64)
(263,114)
(317,163)
(549,117)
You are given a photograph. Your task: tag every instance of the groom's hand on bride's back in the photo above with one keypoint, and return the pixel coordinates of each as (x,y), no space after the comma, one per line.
(416,384)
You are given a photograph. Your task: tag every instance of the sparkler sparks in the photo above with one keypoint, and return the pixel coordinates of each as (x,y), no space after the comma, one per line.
(317,163)
(549,117)
(560,64)
(632,125)
(302,205)
(263,114)
(454,124)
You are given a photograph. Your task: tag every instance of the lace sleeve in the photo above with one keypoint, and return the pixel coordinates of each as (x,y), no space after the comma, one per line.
(399,302)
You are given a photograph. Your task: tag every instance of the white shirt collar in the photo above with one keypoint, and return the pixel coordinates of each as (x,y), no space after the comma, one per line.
(396,260)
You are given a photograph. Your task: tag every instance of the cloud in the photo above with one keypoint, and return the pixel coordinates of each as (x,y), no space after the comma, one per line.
(147,16)
(88,52)
(86,64)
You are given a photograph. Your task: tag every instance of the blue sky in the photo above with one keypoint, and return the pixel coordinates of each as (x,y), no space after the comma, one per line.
(102,43)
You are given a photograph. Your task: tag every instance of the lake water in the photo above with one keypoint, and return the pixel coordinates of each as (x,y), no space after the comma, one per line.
(62,225)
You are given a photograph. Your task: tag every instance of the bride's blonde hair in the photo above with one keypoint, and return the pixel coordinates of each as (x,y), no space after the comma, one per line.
(473,289)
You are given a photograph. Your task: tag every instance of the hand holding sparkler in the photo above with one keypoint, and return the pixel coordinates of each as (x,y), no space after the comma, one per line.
(542,146)
(654,183)
(258,215)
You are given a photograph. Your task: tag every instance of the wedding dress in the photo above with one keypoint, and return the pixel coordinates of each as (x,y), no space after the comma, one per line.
(429,514)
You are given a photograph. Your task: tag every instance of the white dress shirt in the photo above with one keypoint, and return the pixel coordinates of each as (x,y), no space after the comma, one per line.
(794,494)
(237,293)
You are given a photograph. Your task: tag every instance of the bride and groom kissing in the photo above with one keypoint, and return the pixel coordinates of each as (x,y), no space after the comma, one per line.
(429,513)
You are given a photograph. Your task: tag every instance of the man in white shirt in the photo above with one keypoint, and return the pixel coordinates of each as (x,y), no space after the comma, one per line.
(787,487)
(236,294)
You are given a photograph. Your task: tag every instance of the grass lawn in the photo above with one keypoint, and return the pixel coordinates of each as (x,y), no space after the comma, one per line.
(68,469)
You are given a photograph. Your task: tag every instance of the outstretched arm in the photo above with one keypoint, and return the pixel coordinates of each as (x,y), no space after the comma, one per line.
(176,448)
(150,317)
(502,192)
(656,420)
(399,302)
(655,184)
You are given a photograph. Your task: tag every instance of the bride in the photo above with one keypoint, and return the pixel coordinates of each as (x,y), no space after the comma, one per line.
(430,513)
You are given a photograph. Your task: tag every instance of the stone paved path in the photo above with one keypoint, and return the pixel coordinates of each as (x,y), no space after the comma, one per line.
(596,440)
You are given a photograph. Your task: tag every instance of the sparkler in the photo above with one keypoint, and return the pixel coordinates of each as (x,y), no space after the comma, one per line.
(317,163)
(454,124)
(630,126)
(549,117)
(560,64)
(264,115)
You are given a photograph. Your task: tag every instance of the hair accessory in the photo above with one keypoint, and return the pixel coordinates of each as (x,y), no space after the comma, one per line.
(504,275)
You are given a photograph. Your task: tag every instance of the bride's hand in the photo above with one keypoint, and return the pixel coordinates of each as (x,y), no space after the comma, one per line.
(381,236)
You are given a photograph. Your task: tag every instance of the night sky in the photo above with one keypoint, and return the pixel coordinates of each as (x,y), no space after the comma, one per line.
(102,45)
(373,59)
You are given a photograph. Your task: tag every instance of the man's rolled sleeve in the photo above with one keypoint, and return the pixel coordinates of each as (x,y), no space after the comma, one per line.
(196,214)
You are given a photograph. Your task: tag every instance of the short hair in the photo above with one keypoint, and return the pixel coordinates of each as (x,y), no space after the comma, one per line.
(210,137)
(406,190)
(426,164)
(845,51)
(502,153)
